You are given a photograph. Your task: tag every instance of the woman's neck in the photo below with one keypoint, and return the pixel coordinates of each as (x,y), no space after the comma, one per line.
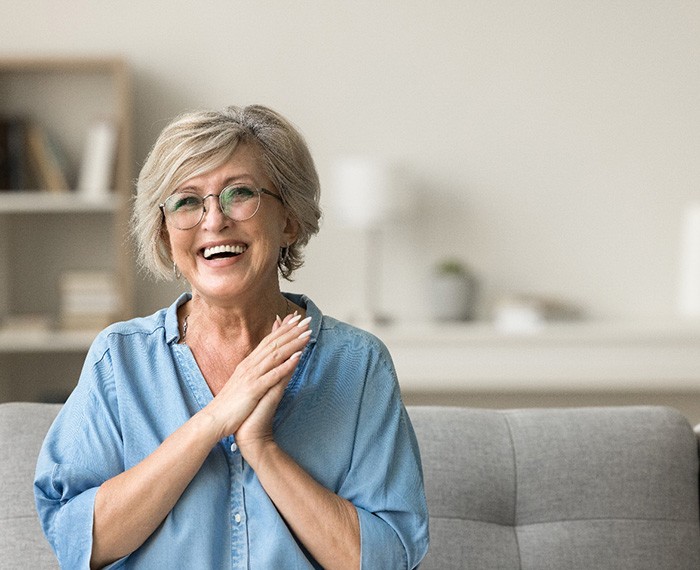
(244,321)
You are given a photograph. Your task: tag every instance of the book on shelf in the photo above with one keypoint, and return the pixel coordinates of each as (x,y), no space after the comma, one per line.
(29,158)
(45,160)
(14,165)
(4,157)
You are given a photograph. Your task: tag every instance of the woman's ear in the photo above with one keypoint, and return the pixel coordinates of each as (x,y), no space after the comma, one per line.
(165,238)
(290,231)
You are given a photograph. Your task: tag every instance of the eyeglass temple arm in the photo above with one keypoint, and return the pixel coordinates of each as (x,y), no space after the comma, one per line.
(263,191)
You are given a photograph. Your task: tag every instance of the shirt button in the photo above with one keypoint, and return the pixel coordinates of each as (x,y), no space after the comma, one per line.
(237,517)
(234,448)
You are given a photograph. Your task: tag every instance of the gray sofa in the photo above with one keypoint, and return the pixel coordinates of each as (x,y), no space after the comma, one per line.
(565,489)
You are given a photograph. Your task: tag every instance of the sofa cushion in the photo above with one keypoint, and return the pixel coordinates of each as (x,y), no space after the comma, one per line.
(605,488)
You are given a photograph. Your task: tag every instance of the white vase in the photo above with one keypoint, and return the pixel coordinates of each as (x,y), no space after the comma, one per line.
(452,297)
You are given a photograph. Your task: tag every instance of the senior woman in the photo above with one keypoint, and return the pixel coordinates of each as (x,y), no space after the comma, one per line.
(240,427)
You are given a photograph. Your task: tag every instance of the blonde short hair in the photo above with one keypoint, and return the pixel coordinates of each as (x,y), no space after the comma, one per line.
(198,142)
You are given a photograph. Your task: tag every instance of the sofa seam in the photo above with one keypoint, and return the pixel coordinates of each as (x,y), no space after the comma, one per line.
(609,519)
(557,521)
(515,490)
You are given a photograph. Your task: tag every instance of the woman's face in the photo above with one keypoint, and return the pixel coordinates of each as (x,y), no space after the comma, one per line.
(252,273)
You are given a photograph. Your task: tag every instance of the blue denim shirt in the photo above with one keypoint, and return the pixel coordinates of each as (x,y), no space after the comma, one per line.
(341,418)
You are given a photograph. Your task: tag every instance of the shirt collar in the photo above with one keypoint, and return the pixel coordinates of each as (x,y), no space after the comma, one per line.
(172,326)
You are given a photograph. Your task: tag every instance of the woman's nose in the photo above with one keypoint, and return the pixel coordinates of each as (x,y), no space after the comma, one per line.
(214,218)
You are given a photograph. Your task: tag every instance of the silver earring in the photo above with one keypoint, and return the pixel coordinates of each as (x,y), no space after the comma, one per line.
(176,272)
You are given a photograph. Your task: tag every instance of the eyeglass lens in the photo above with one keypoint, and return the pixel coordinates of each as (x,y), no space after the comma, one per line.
(185,209)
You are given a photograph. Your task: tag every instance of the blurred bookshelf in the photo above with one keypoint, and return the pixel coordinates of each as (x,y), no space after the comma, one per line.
(65,194)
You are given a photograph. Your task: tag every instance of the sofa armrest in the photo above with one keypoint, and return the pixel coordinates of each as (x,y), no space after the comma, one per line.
(22,430)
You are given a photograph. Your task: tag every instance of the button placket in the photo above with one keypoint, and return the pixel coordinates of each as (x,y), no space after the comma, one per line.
(239,530)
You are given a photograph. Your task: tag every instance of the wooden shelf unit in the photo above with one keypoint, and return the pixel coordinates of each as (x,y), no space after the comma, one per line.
(43,233)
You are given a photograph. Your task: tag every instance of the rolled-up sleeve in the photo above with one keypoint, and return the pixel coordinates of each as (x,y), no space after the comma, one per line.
(385,481)
(81,451)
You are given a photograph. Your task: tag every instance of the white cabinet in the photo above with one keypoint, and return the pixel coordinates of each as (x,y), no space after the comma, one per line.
(45,234)
(563,358)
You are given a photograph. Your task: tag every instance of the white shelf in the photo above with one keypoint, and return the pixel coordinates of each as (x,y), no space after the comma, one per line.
(39,202)
(571,357)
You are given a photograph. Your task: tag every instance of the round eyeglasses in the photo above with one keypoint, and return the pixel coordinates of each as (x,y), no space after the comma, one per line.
(185,210)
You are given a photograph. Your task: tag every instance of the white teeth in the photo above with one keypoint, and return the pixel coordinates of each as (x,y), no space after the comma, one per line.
(209,251)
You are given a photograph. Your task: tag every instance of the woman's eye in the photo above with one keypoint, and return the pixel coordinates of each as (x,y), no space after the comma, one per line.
(185,201)
(238,194)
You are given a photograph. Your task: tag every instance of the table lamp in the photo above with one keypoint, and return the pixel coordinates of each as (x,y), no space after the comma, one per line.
(364,196)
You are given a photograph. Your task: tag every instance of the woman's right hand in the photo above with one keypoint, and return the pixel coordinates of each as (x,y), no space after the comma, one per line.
(272,362)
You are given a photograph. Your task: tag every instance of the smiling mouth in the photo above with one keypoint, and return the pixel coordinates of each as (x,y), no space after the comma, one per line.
(223,251)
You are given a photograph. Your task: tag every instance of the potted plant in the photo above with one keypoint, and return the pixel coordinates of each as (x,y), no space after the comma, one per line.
(453,291)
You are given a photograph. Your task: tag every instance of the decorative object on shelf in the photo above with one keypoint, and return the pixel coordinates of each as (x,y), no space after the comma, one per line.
(364,196)
(453,291)
(529,313)
(689,297)
(96,176)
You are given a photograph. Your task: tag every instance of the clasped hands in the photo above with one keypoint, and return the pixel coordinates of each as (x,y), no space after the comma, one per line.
(246,404)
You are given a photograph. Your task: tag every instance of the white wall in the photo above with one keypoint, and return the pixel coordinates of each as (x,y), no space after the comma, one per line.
(554,144)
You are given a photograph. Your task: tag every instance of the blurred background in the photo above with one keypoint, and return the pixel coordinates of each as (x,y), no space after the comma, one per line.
(550,149)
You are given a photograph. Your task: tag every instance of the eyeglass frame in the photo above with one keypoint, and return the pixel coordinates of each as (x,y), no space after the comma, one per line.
(258,191)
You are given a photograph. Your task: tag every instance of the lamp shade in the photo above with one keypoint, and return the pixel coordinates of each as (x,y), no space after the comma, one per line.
(363,191)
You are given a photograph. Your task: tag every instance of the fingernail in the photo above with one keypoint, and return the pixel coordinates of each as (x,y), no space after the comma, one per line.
(295,356)
(278,320)
(306,321)
(294,319)
(305,334)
